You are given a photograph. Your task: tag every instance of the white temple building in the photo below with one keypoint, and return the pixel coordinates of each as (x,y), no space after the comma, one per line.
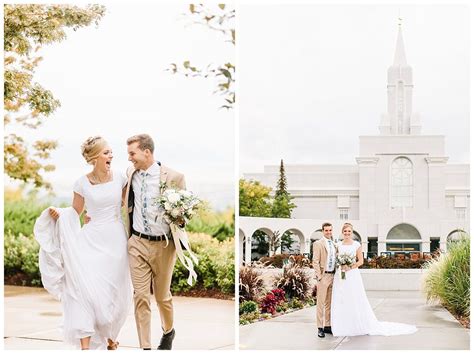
(400,195)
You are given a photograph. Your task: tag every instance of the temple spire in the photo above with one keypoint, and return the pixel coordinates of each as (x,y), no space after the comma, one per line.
(400,58)
(399,119)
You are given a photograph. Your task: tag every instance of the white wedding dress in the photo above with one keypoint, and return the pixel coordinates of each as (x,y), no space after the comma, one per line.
(87,268)
(351,313)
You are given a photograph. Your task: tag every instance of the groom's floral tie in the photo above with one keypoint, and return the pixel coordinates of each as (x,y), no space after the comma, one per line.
(331,256)
(144,202)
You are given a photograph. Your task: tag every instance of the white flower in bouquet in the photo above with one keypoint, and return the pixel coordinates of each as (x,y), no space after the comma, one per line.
(345,259)
(186,194)
(167,192)
(179,206)
(175,212)
(174,197)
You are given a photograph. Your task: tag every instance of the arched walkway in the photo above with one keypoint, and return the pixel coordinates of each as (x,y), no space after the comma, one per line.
(297,246)
(456,235)
(403,238)
(260,243)
(315,235)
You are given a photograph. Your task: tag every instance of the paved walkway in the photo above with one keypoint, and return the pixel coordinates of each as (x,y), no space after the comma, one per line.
(437,328)
(32,317)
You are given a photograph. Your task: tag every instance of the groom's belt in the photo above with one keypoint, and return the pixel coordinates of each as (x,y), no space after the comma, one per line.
(333,272)
(149,237)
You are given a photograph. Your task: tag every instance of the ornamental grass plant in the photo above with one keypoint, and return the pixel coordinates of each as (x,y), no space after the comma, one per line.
(294,281)
(251,285)
(447,279)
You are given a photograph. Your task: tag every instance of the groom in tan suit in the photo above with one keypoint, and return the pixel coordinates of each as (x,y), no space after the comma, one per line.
(324,264)
(151,257)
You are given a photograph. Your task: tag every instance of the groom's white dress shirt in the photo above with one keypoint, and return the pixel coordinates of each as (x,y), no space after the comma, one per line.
(331,263)
(146,187)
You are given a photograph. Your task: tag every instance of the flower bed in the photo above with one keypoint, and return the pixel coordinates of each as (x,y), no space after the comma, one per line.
(381,262)
(291,291)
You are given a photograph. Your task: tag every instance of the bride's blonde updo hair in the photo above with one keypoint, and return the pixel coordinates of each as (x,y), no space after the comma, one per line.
(346,225)
(92,147)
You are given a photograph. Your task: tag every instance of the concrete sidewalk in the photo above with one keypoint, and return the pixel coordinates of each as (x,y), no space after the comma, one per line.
(32,317)
(437,328)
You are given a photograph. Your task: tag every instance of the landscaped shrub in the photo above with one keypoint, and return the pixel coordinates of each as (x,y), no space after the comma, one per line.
(279,294)
(448,278)
(296,303)
(251,284)
(20,216)
(381,262)
(218,225)
(247,318)
(282,307)
(21,256)
(279,260)
(247,307)
(215,269)
(294,281)
(269,303)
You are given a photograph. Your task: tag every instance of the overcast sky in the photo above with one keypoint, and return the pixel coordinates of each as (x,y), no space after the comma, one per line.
(111,81)
(312,78)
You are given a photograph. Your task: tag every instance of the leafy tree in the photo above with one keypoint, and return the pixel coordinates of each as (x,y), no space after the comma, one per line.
(263,246)
(219,18)
(254,199)
(27,27)
(287,241)
(274,242)
(282,205)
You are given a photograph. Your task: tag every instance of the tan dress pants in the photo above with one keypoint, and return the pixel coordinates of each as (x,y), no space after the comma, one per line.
(323,300)
(151,260)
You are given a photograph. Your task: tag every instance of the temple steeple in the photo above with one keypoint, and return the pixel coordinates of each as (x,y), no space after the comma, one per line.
(400,58)
(399,119)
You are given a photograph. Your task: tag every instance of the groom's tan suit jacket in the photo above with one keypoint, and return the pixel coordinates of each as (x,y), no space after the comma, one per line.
(320,257)
(167,175)
(325,281)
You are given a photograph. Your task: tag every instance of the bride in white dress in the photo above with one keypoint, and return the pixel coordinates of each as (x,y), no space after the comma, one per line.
(87,268)
(351,313)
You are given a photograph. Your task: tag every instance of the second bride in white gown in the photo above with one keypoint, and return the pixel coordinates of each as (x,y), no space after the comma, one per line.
(351,313)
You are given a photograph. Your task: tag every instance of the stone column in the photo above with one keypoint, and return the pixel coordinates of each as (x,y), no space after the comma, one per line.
(248,250)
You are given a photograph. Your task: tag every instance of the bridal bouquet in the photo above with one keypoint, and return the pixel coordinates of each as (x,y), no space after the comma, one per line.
(345,259)
(179,205)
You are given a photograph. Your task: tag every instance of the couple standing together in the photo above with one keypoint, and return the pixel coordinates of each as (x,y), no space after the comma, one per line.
(342,305)
(91,269)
